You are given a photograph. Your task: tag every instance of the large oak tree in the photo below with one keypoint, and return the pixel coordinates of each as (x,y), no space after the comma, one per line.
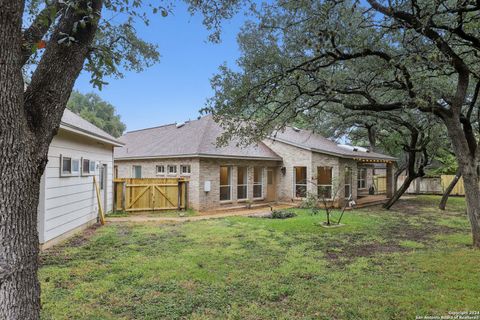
(44,44)
(375,55)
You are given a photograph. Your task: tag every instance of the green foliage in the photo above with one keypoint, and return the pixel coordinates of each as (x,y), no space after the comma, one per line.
(447,164)
(283,214)
(101,113)
(311,62)
(243,268)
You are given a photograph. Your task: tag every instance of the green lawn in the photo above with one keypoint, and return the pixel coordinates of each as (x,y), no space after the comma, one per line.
(412,260)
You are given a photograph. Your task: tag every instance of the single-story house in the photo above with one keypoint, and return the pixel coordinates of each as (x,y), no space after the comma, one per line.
(68,200)
(285,167)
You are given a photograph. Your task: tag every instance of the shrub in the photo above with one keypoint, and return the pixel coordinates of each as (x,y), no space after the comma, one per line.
(282,214)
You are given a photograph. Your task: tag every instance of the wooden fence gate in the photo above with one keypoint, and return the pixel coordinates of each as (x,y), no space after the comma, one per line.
(150,194)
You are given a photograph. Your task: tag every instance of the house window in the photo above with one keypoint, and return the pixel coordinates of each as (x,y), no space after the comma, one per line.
(65,166)
(348,182)
(242,183)
(324,182)
(69,167)
(172,169)
(161,169)
(88,167)
(300,182)
(185,169)
(137,171)
(225,183)
(362,178)
(258,182)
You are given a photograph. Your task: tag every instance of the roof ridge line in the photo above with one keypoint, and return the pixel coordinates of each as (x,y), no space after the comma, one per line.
(154,127)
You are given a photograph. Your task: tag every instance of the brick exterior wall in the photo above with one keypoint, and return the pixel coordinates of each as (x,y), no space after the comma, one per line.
(292,157)
(210,171)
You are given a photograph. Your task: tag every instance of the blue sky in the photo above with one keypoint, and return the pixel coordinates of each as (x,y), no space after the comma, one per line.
(178,86)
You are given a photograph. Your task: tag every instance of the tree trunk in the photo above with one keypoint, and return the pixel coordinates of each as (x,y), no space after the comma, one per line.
(472,197)
(448,190)
(19,287)
(467,163)
(398,193)
(20,173)
(28,121)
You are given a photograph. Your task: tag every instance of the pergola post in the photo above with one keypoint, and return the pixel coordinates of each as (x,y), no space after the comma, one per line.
(390,180)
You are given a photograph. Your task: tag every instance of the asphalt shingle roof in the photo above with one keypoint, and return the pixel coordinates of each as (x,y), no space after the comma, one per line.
(198,138)
(315,142)
(194,138)
(73,121)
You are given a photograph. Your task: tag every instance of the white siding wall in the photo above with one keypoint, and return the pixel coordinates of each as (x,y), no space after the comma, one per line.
(70,202)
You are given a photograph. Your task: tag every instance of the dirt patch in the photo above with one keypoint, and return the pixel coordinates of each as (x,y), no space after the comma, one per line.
(359,245)
(348,254)
(56,254)
(82,238)
(403,230)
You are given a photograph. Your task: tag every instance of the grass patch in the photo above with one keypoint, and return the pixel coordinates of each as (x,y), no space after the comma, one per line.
(412,260)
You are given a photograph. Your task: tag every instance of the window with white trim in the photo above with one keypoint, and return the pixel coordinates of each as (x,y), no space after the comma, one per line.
(160,169)
(172,169)
(66,165)
(242,183)
(324,182)
(88,167)
(185,169)
(225,183)
(69,167)
(362,178)
(257,182)
(300,182)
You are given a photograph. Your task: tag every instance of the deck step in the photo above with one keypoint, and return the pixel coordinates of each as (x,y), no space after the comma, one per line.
(372,203)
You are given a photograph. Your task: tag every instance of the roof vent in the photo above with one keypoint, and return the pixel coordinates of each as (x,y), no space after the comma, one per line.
(180,124)
(296,129)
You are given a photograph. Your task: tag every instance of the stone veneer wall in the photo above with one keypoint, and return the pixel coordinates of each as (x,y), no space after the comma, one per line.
(149,170)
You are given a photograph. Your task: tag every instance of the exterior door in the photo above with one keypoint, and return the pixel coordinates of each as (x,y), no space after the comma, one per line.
(271,186)
(103,186)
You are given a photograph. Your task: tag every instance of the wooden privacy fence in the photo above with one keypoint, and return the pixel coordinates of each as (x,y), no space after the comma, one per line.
(458,190)
(150,194)
(433,185)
